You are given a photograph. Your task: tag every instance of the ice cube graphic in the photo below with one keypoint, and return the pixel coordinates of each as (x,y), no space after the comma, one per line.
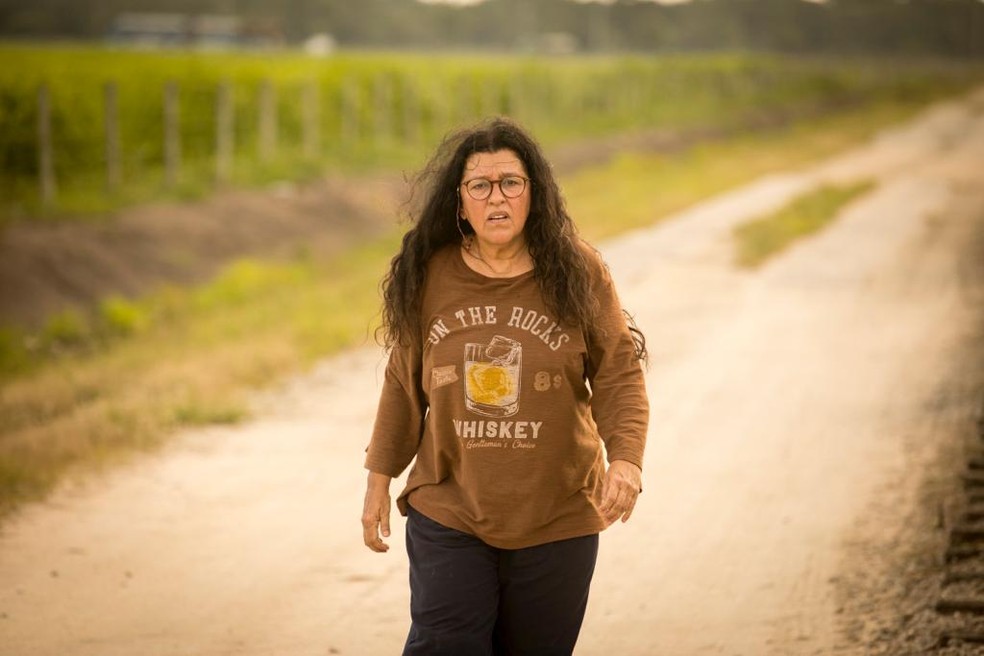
(503,351)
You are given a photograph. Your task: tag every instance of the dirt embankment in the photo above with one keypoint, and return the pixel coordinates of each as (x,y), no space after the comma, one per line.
(49,266)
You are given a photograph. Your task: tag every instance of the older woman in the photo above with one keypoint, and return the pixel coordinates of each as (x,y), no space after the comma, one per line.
(513,373)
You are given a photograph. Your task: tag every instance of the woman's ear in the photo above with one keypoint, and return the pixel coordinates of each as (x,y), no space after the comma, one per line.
(461,212)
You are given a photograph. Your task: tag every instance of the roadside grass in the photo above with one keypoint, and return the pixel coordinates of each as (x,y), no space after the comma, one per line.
(89,391)
(193,363)
(760,239)
(637,189)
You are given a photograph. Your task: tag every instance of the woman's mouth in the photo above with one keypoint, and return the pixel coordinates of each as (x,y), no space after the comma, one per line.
(498,216)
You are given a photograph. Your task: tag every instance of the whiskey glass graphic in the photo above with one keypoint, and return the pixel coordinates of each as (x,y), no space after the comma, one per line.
(492,375)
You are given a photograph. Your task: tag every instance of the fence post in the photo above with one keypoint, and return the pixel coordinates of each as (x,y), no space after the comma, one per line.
(224,131)
(172,135)
(412,118)
(488,100)
(464,111)
(349,100)
(312,136)
(113,167)
(382,105)
(46,167)
(518,102)
(441,110)
(268,121)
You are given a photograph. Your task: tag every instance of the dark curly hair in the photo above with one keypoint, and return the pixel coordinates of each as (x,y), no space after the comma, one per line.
(551,236)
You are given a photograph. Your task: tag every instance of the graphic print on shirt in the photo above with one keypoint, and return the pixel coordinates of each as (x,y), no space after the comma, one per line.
(493,373)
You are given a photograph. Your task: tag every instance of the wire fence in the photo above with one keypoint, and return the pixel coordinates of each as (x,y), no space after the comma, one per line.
(182,132)
(82,140)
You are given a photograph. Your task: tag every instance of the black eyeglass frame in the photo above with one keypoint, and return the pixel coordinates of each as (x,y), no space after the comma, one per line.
(492,183)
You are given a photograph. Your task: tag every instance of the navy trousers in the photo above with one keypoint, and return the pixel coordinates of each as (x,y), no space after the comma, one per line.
(470,599)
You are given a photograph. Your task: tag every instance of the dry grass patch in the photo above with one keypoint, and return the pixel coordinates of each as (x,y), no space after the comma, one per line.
(194,365)
(760,239)
(637,189)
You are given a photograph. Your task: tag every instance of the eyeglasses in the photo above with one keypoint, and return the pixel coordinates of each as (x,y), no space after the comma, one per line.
(511,186)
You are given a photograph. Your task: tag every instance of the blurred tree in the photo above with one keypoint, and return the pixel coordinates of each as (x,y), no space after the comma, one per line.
(943,27)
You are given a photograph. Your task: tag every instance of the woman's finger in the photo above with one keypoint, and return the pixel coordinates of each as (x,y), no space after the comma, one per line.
(633,497)
(628,495)
(609,492)
(375,517)
(384,521)
(624,499)
(612,505)
(619,492)
(370,535)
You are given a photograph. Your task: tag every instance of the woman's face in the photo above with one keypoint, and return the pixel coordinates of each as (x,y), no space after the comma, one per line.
(499,219)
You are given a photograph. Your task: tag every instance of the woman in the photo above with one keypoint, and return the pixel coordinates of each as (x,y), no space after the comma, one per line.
(511,364)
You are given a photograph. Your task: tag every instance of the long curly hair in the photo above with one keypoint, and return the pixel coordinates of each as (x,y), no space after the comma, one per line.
(433,209)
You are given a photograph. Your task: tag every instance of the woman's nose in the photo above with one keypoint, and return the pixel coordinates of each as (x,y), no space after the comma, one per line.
(496,192)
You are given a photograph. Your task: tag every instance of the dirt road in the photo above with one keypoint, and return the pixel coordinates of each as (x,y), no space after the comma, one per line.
(797,413)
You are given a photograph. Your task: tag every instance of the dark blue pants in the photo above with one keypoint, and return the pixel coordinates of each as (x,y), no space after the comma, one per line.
(470,599)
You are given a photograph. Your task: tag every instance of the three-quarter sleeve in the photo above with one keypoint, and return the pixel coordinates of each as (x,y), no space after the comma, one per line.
(619,404)
(399,421)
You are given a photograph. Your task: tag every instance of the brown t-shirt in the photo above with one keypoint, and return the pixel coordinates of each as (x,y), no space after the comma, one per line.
(506,411)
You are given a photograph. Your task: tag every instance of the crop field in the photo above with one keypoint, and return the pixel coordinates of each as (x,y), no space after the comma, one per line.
(87,130)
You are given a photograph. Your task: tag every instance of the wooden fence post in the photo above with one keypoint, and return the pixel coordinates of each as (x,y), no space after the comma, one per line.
(224,131)
(349,101)
(509,98)
(412,118)
(46,167)
(382,107)
(268,121)
(437,111)
(172,135)
(312,118)
(514,96)
(113,167)
(487,98)
(464,111)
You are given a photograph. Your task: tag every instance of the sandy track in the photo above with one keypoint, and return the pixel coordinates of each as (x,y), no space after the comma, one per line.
(786,404)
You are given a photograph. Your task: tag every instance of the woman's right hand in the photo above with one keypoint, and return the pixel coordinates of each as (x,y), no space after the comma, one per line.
(376,512)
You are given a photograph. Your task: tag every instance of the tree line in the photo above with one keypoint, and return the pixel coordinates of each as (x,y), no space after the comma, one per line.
(952,28)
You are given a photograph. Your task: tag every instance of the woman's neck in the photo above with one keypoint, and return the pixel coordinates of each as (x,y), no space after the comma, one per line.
(502,261)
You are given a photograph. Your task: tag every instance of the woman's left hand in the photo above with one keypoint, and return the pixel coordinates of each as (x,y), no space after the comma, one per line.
(623,483)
